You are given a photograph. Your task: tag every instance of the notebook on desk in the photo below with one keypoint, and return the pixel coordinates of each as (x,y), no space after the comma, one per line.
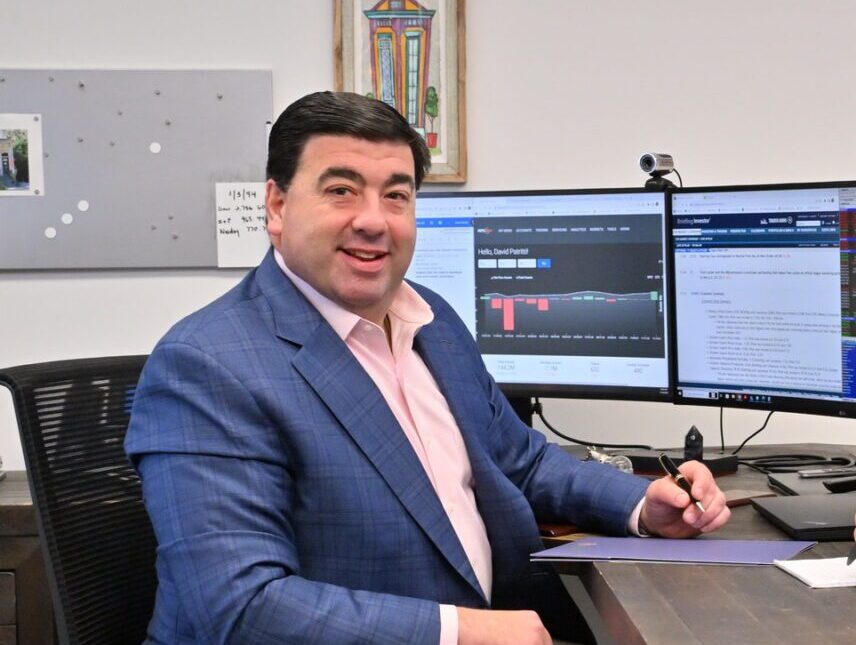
(810,517)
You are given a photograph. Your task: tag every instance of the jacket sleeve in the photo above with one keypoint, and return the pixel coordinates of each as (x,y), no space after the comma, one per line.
(558,486)
(218,487)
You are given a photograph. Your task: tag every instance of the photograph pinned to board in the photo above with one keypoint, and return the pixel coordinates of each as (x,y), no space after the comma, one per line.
(242,238)
(21,158)
(411,55)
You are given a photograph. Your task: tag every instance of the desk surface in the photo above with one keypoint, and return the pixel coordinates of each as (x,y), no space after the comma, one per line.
(668,603)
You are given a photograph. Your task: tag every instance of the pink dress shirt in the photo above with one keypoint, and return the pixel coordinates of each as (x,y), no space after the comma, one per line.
(421,411)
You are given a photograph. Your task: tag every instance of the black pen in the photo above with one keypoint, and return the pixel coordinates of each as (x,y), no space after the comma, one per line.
(852,555)
(678,477)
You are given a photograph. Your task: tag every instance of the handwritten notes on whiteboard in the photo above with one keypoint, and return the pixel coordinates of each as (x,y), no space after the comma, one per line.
(242,238)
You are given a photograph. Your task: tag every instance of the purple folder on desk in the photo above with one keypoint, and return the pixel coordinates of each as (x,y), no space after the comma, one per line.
(698,551)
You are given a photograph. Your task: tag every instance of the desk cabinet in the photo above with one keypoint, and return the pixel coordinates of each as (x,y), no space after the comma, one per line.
(7,608)
(26,616)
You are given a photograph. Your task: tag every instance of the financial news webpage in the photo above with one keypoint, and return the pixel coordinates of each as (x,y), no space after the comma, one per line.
(763,294)
(556,289)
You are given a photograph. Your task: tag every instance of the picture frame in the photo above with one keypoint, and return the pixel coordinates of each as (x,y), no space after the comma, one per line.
(412,55)
(21,159)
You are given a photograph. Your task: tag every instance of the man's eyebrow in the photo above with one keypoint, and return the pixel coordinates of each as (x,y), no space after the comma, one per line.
(399,178)
(341,172)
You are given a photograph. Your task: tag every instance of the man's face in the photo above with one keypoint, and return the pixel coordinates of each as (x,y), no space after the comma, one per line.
(347,222)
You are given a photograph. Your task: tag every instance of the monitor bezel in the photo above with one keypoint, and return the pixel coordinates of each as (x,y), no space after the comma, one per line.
(784,404)
(582,391)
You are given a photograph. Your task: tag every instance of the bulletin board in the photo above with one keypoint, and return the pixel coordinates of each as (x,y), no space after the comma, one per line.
(129,160)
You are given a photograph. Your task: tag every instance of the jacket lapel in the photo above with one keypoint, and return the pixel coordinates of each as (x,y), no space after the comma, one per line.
(508,519)
(340,381)
(437,345)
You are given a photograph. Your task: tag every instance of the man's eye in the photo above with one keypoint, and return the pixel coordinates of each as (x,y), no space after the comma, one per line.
(398,196)
(341,191)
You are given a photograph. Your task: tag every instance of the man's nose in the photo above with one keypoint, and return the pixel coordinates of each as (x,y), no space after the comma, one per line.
(369,217)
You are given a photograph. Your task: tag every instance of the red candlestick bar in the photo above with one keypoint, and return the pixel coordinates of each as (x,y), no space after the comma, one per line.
(508,314)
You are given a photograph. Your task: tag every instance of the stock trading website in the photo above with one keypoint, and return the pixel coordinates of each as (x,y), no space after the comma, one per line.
(559,289)
(763,293)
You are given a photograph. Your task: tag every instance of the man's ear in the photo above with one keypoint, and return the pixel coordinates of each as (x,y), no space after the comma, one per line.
(275,205)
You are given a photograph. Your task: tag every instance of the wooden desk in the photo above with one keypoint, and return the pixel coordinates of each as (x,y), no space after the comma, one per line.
(26,614)
(667,603)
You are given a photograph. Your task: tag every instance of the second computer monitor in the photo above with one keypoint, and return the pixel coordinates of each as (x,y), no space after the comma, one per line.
(763,297)
(564,291)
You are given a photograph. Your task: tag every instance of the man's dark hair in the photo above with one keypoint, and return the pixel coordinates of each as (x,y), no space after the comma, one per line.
(338,113)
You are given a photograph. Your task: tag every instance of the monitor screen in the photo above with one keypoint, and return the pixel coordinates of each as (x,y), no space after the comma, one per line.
(564,291)
(762,284)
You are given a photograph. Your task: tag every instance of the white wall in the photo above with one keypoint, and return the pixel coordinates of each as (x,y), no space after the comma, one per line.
(561,93)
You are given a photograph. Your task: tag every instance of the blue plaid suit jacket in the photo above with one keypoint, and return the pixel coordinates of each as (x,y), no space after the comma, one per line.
(287,502)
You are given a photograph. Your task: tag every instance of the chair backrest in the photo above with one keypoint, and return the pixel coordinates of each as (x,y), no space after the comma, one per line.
(96,536)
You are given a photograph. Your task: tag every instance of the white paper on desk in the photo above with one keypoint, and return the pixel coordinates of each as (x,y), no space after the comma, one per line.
(242,238)
(822,573)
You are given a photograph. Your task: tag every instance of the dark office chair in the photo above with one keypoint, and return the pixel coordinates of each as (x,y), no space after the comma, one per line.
(97,541)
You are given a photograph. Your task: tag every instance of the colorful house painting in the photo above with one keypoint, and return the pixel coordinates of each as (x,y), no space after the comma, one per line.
(400,46)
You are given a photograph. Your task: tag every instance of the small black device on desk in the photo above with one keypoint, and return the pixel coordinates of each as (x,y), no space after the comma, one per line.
(822,517)
(840,485)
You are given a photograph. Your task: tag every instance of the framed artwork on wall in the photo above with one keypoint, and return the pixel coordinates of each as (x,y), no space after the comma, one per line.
(412,56)
(21,161)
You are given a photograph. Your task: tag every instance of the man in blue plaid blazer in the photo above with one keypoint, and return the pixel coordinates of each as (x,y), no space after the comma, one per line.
(289,505)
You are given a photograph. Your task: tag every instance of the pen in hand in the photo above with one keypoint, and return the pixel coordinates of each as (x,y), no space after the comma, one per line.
(678,477)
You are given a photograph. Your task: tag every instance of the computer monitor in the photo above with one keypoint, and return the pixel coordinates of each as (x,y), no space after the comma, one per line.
(762,297)
(564,291)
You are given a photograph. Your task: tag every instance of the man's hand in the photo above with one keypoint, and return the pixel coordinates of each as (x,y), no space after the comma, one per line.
(488,627)
(668,512)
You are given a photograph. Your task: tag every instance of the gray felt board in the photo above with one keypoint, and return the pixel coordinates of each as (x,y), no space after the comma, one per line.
(145,209)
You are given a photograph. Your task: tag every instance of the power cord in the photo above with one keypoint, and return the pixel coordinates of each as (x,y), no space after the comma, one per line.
(538,409)
(779,463)
(793,463)
(746,440)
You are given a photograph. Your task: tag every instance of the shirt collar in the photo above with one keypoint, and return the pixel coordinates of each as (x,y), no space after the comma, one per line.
(408,307)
